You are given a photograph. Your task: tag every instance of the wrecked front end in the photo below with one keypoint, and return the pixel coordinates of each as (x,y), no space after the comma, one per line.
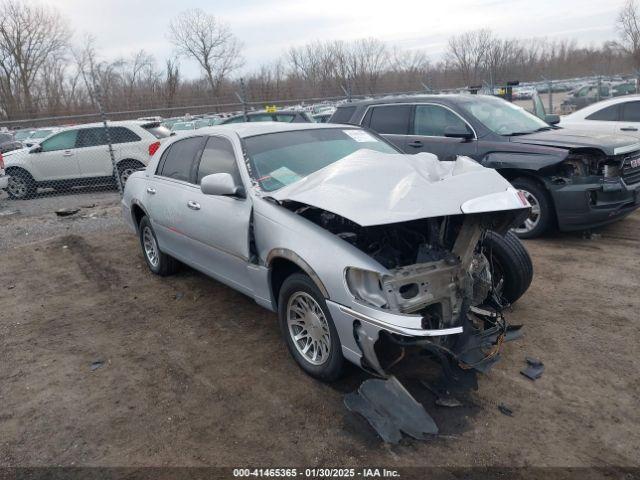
(432,294)
(591,189)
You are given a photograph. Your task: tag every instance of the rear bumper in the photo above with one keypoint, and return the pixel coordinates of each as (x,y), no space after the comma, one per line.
(586,205)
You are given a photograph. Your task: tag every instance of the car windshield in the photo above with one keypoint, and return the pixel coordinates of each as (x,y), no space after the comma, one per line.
(184,126)
(502,117)
(283,158)
(41,133)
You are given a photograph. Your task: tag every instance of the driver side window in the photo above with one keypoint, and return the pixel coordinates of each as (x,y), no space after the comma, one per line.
(432,120)
(63,141)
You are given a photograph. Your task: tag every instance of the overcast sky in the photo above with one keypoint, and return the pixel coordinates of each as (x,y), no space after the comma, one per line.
(268,27)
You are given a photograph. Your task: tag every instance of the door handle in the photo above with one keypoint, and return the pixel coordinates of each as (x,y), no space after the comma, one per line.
(629,129)
(415,144)
(193,205)
(151,191)
(67,153)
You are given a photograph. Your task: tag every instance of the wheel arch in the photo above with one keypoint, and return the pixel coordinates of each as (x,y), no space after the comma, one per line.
(282,263)
(137,212)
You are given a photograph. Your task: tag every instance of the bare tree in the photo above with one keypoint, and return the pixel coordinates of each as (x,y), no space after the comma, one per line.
(172,81)
(629,31)
(209,41)
(29,35)
(467,54)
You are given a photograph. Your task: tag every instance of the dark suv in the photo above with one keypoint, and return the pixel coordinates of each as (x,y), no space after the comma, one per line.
(574,180)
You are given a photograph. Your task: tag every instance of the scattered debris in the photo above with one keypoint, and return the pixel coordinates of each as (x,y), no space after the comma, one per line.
(450,402)
(443,397)
(391,410)
(92,205)
(7,213)
(534,369)
(11,287)
(96,365)
(65,212)
(505,410)
(64,247)
(178,295)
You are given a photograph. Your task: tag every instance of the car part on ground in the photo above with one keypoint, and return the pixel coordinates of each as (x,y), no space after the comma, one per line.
(588,179)
(362,251)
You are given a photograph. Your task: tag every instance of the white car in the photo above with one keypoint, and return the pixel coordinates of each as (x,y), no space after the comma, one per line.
(615,115)
(79,155)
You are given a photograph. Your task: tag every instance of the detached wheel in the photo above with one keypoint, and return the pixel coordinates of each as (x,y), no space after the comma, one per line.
(510,263)
(21,185)
(541,216)
(158,262)
(308,328)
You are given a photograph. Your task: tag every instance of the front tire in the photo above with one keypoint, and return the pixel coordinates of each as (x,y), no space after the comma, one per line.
(158,262)
(541,216)
(510,264)
(308,328)
(21,185)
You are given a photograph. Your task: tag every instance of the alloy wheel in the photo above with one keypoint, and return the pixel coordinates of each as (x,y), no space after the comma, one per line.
(150,247)
(533,219)
(308,328)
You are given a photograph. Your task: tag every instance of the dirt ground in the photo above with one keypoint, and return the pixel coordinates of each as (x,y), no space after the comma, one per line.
(196,374)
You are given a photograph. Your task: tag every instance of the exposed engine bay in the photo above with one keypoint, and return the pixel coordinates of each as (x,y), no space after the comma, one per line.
(436,265)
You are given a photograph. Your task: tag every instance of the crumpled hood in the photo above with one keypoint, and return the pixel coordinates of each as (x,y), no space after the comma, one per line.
(373,188)
(610,144)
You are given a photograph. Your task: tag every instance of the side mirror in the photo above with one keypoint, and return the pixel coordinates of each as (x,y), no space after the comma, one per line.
(458,132)
(219,184)
(552,118)
(36,149)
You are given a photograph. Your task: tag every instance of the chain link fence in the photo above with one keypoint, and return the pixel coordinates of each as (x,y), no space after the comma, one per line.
(78,155)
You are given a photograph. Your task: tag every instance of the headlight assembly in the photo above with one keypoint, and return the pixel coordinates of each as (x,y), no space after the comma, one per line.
(366,286)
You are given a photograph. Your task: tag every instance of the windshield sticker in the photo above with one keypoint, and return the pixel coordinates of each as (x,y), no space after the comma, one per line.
(360,136)
(285,176)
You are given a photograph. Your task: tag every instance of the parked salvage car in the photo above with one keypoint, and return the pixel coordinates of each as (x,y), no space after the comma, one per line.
(264,116)
(352,243)
(80,155)
(615,115)
(574,180)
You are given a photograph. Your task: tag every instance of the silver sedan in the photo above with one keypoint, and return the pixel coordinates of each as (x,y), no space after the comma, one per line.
(353,244)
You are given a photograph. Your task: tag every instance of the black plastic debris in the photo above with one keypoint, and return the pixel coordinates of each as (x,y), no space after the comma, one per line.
(443,396)
(96,365)
(391,410)
(505,410)
(534,369)
(65,212)
(178,296)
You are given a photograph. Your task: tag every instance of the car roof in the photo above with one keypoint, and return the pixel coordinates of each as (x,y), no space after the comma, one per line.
(244,130)
(443,98)
(594,107)
(117,123)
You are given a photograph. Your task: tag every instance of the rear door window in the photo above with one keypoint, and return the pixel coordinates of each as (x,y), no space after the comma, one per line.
(391,119)
(178,160)
(432,120)
(631,112)
(609,113)
(122,135)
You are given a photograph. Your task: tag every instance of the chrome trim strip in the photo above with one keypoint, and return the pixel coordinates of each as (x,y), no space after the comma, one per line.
(400,330)
(627,149)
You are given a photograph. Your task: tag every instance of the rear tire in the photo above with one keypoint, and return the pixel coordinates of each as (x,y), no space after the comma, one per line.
(305,322)
(541,216)
(510,265)
(21,185)
(158,262)
(126,168)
